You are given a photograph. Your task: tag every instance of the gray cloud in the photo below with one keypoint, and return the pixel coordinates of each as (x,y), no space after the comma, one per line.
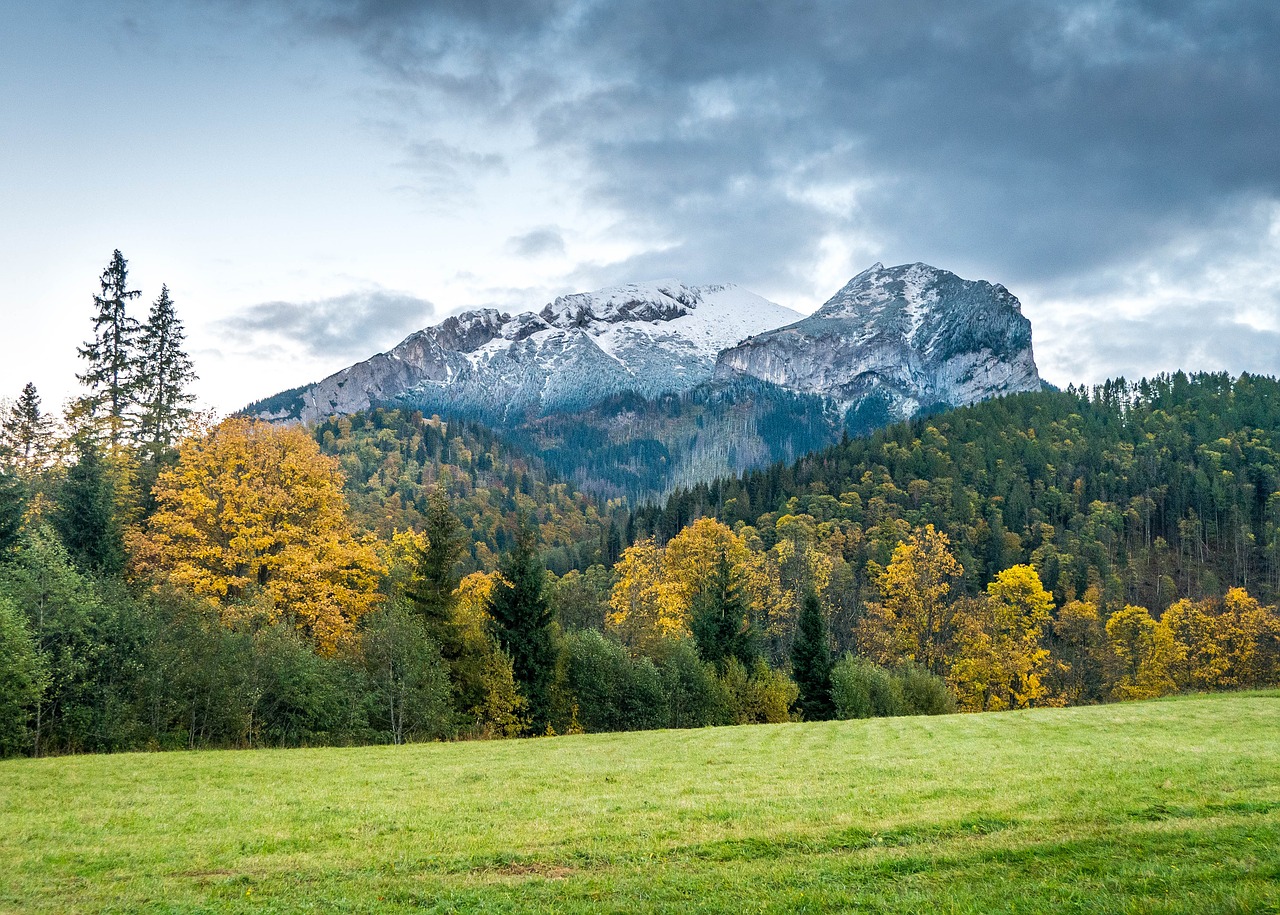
(348,326)
(538,242)
(1047,145)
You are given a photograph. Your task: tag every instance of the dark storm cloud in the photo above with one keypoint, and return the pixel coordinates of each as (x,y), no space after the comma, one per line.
(1044,143)
(1036,138)
(347,326)
(539,242)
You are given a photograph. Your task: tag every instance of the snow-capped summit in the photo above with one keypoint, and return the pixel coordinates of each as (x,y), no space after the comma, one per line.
(898,339)
(648,338)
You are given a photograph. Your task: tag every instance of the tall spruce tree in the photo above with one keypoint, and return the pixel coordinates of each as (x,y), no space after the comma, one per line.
(112,357)
(522,625)
(12,506)
(721,619)
(86,519)
(811,661)
(163,374)
(26,432)
(436,576)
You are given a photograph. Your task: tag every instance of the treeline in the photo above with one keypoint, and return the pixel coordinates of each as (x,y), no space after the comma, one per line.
(1146,491)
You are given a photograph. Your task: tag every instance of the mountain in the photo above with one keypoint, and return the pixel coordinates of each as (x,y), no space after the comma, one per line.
(634,390)
(896,340)
(648,339)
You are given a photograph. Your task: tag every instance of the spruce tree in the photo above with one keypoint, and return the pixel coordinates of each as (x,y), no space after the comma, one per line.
(436,576)
(112,356)
(811,661)
(163,373)
(86,518)
(26,432)
(522,625)
(12,506)
(721,620)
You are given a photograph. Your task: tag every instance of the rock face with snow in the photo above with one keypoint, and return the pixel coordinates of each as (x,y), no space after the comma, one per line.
(896,340)
(650,339)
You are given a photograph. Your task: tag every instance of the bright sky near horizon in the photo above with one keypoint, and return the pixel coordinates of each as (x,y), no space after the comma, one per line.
(315,179)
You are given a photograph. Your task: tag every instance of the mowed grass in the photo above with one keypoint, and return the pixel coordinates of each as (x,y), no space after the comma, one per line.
(1170,806)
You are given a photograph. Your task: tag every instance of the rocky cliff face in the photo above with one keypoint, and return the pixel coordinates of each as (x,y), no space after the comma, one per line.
(648,339)
(895,340)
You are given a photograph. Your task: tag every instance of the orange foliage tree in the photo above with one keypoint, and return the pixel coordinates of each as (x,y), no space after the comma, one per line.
(253,517)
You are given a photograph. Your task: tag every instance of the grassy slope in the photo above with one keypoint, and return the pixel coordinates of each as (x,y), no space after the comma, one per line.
(1146,807)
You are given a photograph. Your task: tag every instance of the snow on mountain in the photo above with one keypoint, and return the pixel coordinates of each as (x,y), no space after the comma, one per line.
(648,338)
(896,339)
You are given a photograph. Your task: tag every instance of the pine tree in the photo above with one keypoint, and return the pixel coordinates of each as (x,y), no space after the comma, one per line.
(12,506)
(811,661)
(26,432)
(164,371)
(436,577)
(720,618)
(522,625)
(111,354)
(86,519)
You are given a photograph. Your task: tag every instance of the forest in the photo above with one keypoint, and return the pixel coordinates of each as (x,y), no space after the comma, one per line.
(171,580)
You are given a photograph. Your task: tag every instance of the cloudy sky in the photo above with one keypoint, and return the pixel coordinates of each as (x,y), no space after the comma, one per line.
(315,179)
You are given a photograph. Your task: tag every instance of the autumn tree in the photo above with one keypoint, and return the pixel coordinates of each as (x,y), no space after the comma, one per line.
(912,621)
(1146,653)
(1000,662)
(111,354)
(252,516)
(163,375)
(642,612)
(1080,651)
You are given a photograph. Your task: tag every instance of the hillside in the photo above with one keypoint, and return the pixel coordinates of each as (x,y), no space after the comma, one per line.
(1163,806)
(1145,491)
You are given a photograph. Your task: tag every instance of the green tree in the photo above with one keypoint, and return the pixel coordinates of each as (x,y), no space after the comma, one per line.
(522,621)
(27,433)
(110,378)
(811,661)
(435,579)
(23,677)
(408,697)
(163,373)
(12,506)
(720,618)
(86,515)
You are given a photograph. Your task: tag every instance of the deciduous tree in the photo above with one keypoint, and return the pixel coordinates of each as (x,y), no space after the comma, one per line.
(252,516)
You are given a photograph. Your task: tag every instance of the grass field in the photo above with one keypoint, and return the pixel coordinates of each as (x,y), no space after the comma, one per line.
(1169,806)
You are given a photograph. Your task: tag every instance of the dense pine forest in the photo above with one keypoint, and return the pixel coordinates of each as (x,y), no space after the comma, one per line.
(168,580)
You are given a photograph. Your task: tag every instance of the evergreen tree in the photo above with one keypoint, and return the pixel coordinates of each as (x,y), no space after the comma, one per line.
(26,432)
(720,618)
(811,661)
(12,506)
(436,577)
(111,354)
(86,519)
(522,625)
(164,371)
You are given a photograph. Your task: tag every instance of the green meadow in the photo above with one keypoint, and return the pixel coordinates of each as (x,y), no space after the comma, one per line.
(1166,806)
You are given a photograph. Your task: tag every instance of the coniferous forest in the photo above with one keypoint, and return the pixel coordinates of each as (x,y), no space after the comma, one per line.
(168,580)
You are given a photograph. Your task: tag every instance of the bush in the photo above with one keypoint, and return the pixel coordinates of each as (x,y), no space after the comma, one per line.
(694,697)
(763,696)
(23,676)
(613,691)
(862,689)
(923,693)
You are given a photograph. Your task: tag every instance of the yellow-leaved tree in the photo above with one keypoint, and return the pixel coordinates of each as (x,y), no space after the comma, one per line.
(253,517)
(1000,661)
(912,621)
(1146,654)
